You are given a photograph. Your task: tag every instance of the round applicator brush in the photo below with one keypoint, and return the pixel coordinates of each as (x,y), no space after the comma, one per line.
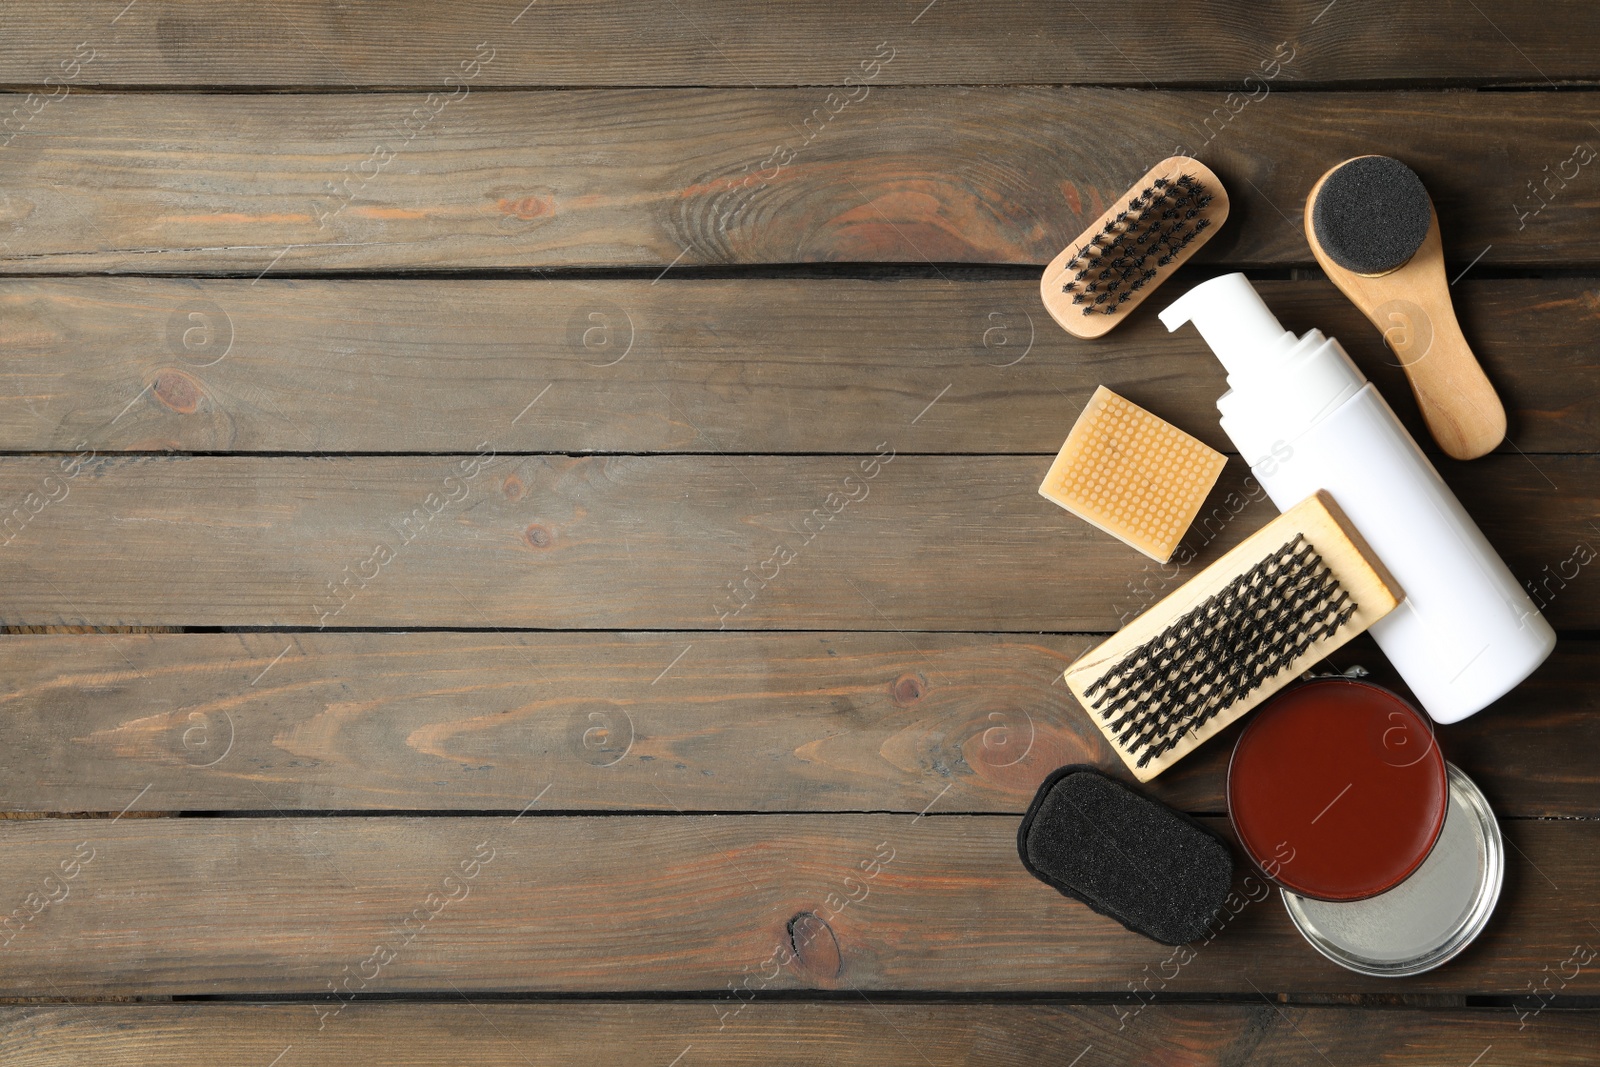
(1373,229)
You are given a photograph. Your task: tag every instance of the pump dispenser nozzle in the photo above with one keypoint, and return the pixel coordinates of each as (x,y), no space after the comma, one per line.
(1234,321)
(1279,383)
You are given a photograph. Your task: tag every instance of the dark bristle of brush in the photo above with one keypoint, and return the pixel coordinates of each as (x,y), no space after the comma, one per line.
(1155,224)
(1227,647)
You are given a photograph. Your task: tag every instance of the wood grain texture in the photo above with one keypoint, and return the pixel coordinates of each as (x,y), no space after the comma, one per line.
(678,542)
(439,721)
(733,365)
(723,722)
(667,903)
(243,806)
(303,43)
(244,183)
(878,1034)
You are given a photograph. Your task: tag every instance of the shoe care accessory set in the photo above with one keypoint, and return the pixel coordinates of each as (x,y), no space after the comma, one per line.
(1388,858)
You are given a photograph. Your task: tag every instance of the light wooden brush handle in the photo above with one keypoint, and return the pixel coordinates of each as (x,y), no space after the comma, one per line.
(1411,307)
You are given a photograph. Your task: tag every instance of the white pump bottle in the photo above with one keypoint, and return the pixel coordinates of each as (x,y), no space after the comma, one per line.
(1305,418)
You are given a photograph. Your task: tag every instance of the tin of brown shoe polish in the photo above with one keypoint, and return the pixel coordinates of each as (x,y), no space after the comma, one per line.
(1389,860)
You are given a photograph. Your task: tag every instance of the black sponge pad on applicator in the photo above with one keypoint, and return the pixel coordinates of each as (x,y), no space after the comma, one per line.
(1371,215)
(1128,857)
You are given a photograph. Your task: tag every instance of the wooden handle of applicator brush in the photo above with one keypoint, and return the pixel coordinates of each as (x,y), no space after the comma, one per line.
(1411,307)
(1463,412)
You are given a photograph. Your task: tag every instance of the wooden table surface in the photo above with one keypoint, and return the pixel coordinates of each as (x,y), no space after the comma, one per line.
(438,628)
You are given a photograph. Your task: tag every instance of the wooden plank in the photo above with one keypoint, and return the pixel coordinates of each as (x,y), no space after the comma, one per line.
(724,722)
(885,541)
(300,43)
(163,183)
(736,365)
(667,903)
(878,1034)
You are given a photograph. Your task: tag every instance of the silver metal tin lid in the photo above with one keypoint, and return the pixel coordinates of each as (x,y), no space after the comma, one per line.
(1432,915)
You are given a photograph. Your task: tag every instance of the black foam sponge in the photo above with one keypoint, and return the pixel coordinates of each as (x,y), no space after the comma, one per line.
(1371,215)
(1128,857)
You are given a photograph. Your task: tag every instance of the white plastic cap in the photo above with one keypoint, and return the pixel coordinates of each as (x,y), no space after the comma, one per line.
(1234,321)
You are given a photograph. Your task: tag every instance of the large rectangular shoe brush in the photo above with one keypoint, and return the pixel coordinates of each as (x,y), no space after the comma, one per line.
(1233,635)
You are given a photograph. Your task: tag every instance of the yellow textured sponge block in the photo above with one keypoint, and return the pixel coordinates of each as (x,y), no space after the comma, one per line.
(1135,476)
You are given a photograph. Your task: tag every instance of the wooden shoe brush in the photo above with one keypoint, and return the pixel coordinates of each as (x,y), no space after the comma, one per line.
(1234,634)
(1138,243)
(1373,229)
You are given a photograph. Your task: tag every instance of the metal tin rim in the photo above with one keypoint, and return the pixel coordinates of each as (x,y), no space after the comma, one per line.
(1476,918)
